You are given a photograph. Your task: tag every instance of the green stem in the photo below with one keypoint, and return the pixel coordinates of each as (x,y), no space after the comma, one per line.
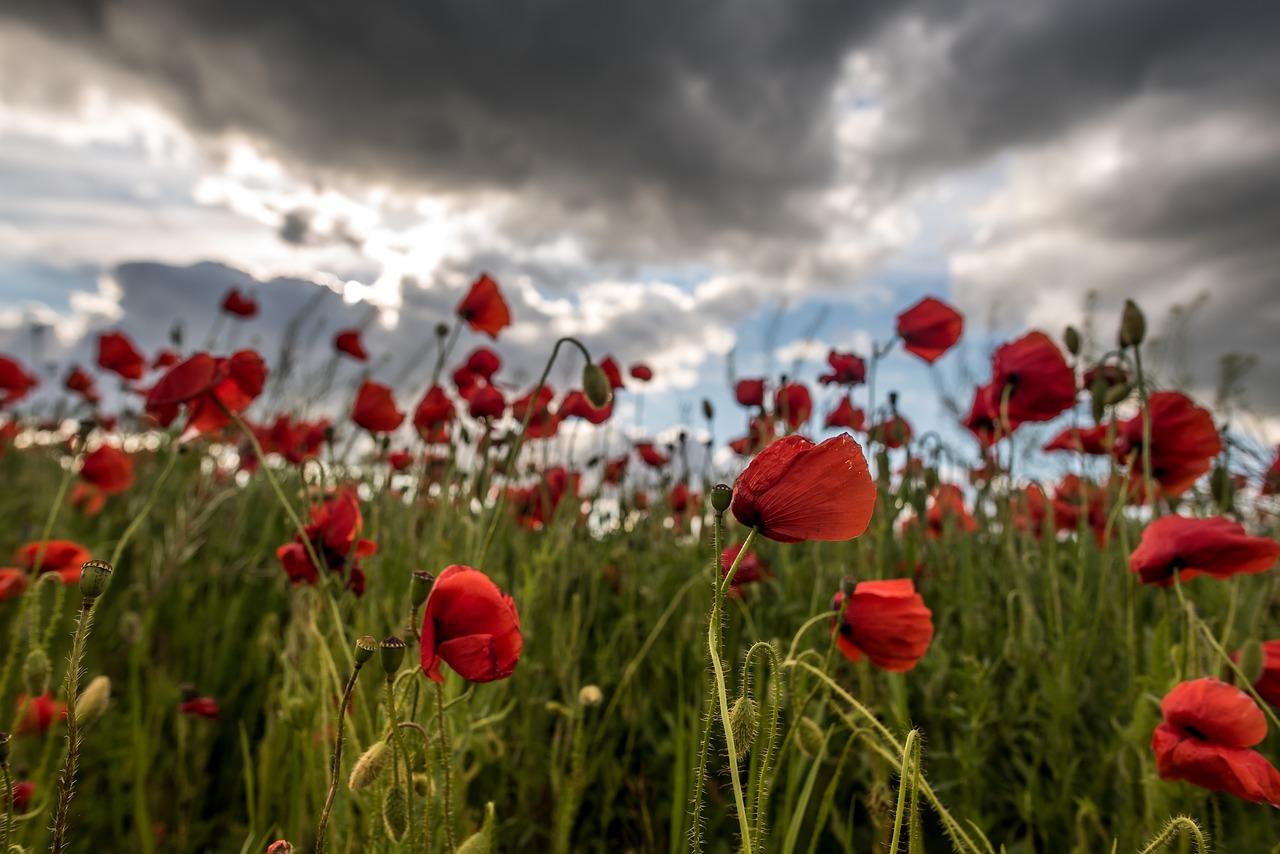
(8,807)
(335,764)
(1147,482)
(140,517)
(67,779)
(444,766)
(399,746)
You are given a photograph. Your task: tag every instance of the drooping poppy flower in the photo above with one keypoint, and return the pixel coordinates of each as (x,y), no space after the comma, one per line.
(1184,442)
(1190,547)
(930,328)
(348,341)
(110,469)
(471,625)
(375,408)
(117,354)
(434,415)
(795,490)
(79,381)
(749,392)
(1205,739)
(893,433)
(38,714)
(641,371)
(612,372)
(846,415)
(238,304)
(15,382)
(575,404)
(486,402)
(751,571)
(200,707)
(846,369)
(483,363)
(651,455)
(1082,440)
(484,309)
(793,404)
(334,536)
(885,620)
(212,389)
(1031,380)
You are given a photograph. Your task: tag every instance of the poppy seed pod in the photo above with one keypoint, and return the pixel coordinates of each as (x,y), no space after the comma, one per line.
(1133,325)
(721,497)
(1071,339)
(366,646)
(595,385)
(420,586)
(392,655)
(95,575)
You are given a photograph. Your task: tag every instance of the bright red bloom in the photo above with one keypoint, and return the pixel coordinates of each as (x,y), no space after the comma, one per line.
(434,414)
(79,381)
(400,460)
(542,421)
(38,714)
(483,363)
(1184,442)
(375,408)
(846,369)
(651,455)
(846,415)
(612,372)
(751,571)
(348,341)
(61,556)
(1082,440)
(793,404)
(575,403)
(22,794)
(795,490)
(486,402)
(947,509)
(471,625)
(1208,729)
(165,358)
(293,440)
(1034,377)
(238,304)
(750,392)
(535,505)
(110,469)
(200,707)
(117,354)
(213,389)
(885,620)
(87,499)
(929,328)
(641,371)
(1215,546)
(484,309)
(334,535)
(760,432)
(1268,682)
(15,382)
(893,433)
(982,420)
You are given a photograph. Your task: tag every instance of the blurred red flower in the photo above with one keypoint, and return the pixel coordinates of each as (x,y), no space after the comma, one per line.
(846,369)
(334,535)
(641,371)
(117,354)
(750,392)
(751,571)
(535,505)
(885,620)
(213,389)
(434,414)
(200,707)
(79,381)
(165,358)
(1184,442)
(793,404)
(375,408)
(795,490)
(484,309)
(575,403)
(1082,440)
(15,382)
(399,460)
(651,455)
(38,714)
(1268,682)
(87,499)
(612,372)
(348,341)
(760,432)
(893,433)
(1271,477)
(483,363)
(1215,546)
(947,509)
(982,420)
(1034,377)
(846,415)
(929,328)
(542,421)
(471,625)
(1208,729)
(22,794)
(238,304)
(486,402)
(61,556)
(110,469)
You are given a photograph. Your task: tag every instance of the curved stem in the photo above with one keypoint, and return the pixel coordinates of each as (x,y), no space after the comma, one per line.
(399,746)
(335,763)
(67,779)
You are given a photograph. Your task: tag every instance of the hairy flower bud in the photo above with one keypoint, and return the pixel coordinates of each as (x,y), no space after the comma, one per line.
(369,766)
(395,813)
(93,701)
(809,737)
(1133,325)
(744,723)
(596,385)
(1071,338)
(35,672)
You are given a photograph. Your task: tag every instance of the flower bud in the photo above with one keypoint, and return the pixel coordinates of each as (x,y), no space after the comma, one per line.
(392,654)
(1133,325)
(1251,660)
(95,575)
(721,497)
(369,766)
(280,846)
(476,843)
(1071,338)
(442,329)
(847,585)
(423,785)
(5,738)
(708,411)
(590,696)
(596,385)
(1221,488)
(809,737)
(420,586)
(35,672)
(366,646)
(744,723)
(93,701)
(1117,393)
(395,813)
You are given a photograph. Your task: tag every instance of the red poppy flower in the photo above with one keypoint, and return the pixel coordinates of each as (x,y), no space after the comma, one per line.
(399,460)
(1082,440)
(750,392)
(795,490)
(334,536)
(238,304)
(348,341)
(846,369)
(615,469)
(61,556)
(484,309)
(293,440)
(165,359)
(1191,547)
(1208,729)
(117,354)
(212,389)
(471,625)
(751,571)
(87,499)
(1076,500)
(535,505)
(641,371)
(929,328)
(79,381)
(760,432)
(200,707)
(1030,509)
(22,794)
(15,382)
(38,714)
(1184,442)
(542,421)
(982,420)
(947,509)
(885,620)
(612,372)
(486,402)
(846,415)
(1268,682)
(483,363)
(792,404)
(651,455)
(575,404)
(432,417)
(110,469)
(684,505)
(375,408)
(1271,477)
(893,433)
(1034,377)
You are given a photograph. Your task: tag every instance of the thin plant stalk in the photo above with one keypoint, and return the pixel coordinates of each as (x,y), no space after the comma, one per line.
(444,767)
(67,779)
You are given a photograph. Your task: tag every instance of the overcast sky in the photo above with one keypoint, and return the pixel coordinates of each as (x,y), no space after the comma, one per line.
(672,181)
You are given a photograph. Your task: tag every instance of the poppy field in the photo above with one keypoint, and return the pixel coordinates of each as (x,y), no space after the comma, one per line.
(480,616)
